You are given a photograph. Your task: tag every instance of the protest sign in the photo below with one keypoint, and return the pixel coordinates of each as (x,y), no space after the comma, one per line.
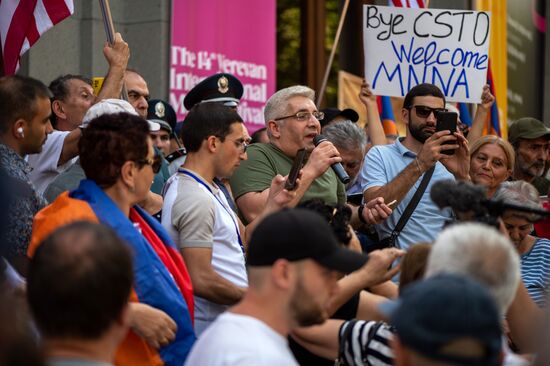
(210,37)
(405,47)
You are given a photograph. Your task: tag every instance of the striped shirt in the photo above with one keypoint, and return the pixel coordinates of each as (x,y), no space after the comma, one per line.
(535,271)
(366,343)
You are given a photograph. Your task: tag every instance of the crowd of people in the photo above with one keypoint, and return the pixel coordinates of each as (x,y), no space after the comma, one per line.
(129,238)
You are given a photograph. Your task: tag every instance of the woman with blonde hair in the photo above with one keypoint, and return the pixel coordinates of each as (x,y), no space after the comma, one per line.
(491,162)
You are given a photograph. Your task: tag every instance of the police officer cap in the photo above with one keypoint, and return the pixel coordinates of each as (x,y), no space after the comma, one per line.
(222,88)
(162,112)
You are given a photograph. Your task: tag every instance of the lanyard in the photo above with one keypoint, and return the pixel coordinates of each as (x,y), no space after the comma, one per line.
(219,201)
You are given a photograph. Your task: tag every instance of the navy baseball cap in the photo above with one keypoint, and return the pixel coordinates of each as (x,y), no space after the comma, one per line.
(433,313)
(331,113)
(296,234)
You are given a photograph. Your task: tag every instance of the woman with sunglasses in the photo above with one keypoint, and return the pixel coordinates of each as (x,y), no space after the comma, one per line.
(117,155)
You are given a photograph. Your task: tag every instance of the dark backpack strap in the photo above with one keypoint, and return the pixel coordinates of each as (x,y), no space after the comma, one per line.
(412,204)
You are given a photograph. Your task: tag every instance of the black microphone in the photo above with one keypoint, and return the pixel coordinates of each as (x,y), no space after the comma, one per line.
(463,196)
(336,167)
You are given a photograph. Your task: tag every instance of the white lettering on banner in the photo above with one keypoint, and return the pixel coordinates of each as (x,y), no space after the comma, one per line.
(405,47)
(195,62)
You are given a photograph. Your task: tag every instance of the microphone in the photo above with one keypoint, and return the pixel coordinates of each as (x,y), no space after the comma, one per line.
(467,197)
(336,167)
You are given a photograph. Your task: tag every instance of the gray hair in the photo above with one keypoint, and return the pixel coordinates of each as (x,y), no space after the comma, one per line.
(277,105)
(346,135)
(521,193)
(479,252)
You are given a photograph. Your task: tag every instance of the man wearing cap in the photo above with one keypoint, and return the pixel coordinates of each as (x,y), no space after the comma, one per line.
(158,114)
(444,320)
(483,254)
(197,214)
(335,115)
(530,139)
(293,260)
(224,89)
(69,179)
(465,331)
(166,139)
(72,96)
(219,88)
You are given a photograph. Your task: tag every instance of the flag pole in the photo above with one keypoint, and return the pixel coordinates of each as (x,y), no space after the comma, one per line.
(110,33)
(332,53)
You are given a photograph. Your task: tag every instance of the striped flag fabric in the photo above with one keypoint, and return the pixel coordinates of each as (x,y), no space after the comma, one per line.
(494,128)
(386,115)
(22,22)
(408,3)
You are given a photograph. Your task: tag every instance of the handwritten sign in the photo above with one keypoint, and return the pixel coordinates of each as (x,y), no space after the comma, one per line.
(405,47)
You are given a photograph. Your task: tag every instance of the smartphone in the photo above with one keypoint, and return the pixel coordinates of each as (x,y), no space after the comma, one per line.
(297,164)
(355,198)
(447,121)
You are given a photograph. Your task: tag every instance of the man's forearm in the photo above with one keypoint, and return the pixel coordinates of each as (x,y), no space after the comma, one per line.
(398,188)
(112,85)
(213,287)
(70,146)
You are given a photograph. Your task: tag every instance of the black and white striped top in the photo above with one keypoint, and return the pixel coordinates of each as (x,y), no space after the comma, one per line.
(365,343)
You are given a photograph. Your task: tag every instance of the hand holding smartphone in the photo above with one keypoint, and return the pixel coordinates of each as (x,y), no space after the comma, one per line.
(297,164)
(447,121)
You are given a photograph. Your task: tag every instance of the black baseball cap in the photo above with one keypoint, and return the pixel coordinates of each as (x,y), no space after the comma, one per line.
(296,234)
(222,88)
(331,113)
(432,313)
(162,113)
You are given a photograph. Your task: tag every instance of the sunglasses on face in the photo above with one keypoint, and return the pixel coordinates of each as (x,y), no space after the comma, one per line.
(155,162)
(423,111)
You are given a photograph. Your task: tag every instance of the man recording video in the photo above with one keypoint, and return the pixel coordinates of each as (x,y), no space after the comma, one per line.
(395,171)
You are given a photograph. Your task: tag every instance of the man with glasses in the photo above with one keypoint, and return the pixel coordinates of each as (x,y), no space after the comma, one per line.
(292,121)
(197,214)
(395,171)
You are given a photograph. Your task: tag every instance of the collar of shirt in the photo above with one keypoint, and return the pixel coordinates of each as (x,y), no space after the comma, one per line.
(403,151)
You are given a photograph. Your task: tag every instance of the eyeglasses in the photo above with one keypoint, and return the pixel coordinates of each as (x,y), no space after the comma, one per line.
(241,145)
(155,162)
(304,116)
(423,111)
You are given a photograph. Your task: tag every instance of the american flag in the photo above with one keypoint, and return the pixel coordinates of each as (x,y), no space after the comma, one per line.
(408,3)
(22,22)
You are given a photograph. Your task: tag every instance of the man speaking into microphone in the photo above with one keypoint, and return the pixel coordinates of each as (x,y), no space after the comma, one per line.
(292,122)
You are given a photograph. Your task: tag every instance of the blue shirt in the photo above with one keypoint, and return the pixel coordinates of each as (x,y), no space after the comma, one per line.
(25,203)
(535,270)
(382,164)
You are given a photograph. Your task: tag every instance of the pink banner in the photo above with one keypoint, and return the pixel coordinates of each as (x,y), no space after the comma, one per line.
(236,37)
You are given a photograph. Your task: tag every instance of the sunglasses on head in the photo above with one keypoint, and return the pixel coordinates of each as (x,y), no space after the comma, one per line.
(423,111)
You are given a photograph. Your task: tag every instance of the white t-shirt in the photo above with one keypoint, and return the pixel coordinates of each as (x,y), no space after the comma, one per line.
(197,215)
(44,164)
(242,340)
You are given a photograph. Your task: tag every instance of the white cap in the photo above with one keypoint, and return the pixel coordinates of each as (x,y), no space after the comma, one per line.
(112,106)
